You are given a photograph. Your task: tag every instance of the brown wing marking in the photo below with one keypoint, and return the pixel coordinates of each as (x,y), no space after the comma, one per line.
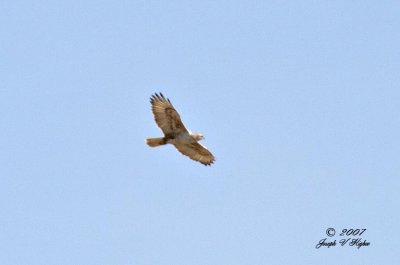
(196,151)
(165,115)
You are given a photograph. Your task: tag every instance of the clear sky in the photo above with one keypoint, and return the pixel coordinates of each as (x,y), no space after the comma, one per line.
(298,100)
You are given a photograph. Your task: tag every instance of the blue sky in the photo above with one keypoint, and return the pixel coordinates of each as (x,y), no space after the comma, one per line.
(298,100)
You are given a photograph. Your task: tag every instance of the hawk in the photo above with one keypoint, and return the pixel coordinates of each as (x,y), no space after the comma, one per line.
(175,133)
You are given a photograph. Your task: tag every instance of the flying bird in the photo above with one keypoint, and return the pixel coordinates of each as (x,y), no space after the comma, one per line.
(175,133)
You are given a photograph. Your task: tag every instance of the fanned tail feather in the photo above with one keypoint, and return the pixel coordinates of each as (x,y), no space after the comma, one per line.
(154,142)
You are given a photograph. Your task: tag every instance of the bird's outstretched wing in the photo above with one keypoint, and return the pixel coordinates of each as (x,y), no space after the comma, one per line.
(165,115)
(196,151)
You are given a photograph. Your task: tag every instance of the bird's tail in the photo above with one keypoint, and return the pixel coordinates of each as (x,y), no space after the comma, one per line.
(153,142)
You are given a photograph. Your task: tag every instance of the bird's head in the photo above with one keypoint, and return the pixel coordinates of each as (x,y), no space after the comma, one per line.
(198,136)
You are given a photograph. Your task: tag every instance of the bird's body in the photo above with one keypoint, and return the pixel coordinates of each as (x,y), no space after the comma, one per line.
(178,138)
(175,133)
